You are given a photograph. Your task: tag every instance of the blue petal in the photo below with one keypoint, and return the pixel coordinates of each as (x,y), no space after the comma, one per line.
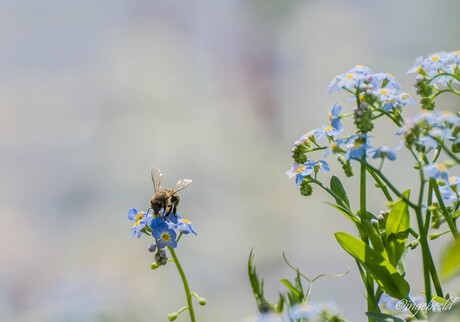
(161,243)
(131,214)
(172,234)
(172,218)
(156,233)
(154,223)
(163,227)
(172,243)
(298,179)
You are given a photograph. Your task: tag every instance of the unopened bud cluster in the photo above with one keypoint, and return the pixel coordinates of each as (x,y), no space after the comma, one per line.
(160,257)
(425,90)
(346,166)
(305,188)
(298,153)
(362,116)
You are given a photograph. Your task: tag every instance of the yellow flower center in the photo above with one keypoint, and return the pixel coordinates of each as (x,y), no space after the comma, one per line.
(390,75)
(349,76)
(138,218)
(328,128)
(435,58)
(383,91)
(404,96)
(186,221)
(441,167)
(451,179)
(458,52)
(419,69)
(300,169)
(359,65)
(165,236)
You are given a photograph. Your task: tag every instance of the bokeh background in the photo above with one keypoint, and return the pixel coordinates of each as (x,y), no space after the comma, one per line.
(94,93)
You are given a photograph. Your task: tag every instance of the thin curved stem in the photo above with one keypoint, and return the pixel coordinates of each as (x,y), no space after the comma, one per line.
(184,281)
(450,222)
(389,184)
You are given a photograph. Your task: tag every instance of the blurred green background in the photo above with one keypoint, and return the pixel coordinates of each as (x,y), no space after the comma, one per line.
(94,93)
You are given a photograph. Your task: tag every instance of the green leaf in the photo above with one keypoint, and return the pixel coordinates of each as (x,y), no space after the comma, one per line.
(450,264)
(337,188)
(281,302)
(380,317)
(382,271)
(375,238)
(350,215)
(439,299)
(398,220)
(257,285)
(295,292)
(397,229)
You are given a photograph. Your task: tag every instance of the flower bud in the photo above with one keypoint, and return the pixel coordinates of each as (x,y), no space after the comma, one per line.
(172,316)
(152,248)
(368,78)
(305,188)
(375,223)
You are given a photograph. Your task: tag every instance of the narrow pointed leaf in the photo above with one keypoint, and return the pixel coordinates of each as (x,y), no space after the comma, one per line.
(337,188)
(380,268)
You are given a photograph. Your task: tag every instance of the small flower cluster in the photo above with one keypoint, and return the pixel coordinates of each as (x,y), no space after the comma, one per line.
(376,94)
(161,228)
(378,91)
(430,129)
(450,190)
(440,68)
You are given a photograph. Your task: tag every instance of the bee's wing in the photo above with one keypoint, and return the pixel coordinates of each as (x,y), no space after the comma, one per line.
(181,184)
(156,178)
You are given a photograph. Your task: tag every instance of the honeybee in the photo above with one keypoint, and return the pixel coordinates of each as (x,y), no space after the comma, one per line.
(165,199)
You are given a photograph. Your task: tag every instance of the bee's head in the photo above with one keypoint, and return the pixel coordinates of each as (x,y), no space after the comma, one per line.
(156,206)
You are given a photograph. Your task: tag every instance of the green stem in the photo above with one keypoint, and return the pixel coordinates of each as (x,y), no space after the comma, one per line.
(429,268)
(397,122)
(413,309)
(381,185)
(425,255)
(449,220)
(444,73)
(441,143)
(329,191)
(184,281)
(389,184)
(371,304)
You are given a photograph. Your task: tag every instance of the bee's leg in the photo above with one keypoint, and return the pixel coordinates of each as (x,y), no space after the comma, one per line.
(174,210)
(167,211)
